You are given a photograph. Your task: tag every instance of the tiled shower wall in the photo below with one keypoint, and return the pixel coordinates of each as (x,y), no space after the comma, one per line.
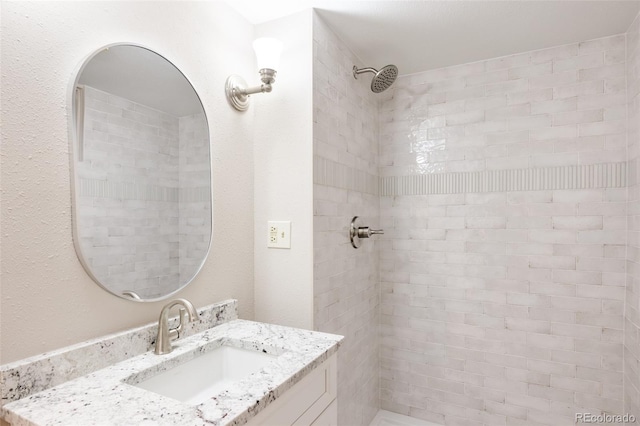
(130,167)
(632,300)
(195,194)
(503,263)
(346,285)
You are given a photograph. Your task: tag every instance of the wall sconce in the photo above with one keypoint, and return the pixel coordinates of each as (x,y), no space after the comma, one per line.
(268,52)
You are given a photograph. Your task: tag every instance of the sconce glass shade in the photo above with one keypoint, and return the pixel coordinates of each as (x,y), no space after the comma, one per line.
(268,51)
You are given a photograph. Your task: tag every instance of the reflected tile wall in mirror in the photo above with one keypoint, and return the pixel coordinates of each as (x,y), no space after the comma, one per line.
(138,215)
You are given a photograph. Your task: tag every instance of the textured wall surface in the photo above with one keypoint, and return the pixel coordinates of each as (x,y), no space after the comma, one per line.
(346,285)
(283,181)
(503,264)
(43,44)
(632,300)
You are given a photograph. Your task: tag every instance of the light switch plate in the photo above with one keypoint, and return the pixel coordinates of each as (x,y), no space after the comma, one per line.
(279,234)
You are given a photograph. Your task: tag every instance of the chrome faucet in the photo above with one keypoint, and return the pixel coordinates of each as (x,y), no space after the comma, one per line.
(166,335)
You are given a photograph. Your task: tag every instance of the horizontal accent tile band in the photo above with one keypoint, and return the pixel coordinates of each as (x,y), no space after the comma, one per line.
(135,191)
(606,175)
(195,195)
(330,173)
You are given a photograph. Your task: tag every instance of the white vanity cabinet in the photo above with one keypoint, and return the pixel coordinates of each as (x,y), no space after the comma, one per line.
(312,401)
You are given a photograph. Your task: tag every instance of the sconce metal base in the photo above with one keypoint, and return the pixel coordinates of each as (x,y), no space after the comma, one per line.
(235,88)
(238,92)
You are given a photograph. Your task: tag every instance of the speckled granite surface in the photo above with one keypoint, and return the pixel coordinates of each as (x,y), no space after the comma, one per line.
(109,397)
(22,378)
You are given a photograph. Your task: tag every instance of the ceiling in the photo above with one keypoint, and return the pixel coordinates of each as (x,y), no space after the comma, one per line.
(419,35)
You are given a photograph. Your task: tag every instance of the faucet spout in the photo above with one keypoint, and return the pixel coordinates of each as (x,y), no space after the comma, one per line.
(166,335)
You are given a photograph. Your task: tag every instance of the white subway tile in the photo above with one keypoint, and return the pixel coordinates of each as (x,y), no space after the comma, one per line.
(564,78)
(599,403)
(585,88)
(530,96)
(555,132)
(580,359)
(550,393)
(614,55)
(544,68)
(595,101)
(464,118)
(574,304)
(546,417)
(614,113)
(511,411)
(488,77)
(509,111)
(590,60)
(596,292)
(600,237)
(602,128)
(601,44)
(601,73)
(578,222)
(578,117)
(528,123)
(552,368)
(554,106)
(507,137)
(615,85)
(464,93)
(506,87)
(577,277)
(527,401)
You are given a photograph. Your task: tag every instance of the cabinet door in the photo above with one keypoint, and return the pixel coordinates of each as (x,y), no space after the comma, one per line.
(305,401)
(329,416)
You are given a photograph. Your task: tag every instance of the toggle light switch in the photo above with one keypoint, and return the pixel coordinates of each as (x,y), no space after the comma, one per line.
(279,234)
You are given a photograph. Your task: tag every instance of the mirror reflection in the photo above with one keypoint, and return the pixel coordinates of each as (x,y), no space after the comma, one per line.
(141,174)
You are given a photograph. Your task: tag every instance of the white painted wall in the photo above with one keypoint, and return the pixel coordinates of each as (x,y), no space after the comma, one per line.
(283,150)
(47,299)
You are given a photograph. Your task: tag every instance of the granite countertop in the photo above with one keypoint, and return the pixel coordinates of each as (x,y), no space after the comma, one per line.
(108,396)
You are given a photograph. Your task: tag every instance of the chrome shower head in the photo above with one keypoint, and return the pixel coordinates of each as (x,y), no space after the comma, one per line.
(382,79)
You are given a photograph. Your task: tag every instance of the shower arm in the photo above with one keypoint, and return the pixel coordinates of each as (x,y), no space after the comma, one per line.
(382,79)
(357,71)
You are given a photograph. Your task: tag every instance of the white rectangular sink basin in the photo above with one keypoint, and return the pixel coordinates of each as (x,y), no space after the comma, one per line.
(199,379)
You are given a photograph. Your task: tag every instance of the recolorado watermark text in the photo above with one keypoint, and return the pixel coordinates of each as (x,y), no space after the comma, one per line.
(605,418)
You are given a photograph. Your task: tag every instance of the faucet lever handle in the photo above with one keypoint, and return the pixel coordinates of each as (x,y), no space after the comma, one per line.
(174,333)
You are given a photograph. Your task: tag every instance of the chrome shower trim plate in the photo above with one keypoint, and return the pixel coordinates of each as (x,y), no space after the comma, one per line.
(353,233)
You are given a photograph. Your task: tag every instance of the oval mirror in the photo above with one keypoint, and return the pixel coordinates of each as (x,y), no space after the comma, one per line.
(141,173)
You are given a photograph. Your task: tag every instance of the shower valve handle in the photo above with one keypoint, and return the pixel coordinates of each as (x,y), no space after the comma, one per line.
(366,232)
(357,232)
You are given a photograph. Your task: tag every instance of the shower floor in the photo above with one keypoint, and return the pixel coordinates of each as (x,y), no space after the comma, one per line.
(387,418)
